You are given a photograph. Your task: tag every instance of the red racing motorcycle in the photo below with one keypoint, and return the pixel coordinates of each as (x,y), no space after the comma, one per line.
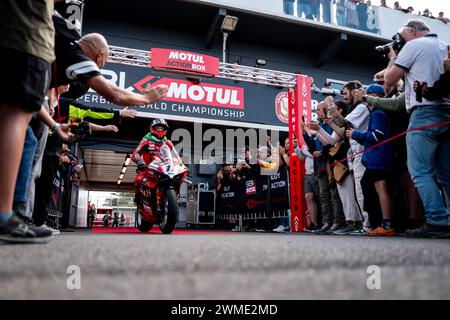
(157,195)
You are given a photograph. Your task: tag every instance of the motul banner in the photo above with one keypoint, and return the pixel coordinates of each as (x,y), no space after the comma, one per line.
(184,61)
(205,94)
(299,108)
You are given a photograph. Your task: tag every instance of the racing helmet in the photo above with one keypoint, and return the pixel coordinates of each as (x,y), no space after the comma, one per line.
(157,133)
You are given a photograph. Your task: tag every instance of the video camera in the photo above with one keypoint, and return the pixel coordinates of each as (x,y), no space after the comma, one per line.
(397,44)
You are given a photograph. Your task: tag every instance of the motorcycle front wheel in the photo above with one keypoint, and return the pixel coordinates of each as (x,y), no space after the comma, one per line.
(169,218)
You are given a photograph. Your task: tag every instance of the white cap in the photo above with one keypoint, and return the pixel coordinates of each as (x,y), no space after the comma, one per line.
(263,149)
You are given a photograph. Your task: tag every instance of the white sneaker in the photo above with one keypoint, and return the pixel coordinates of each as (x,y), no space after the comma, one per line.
(279,229)
(54,231)
(236,229)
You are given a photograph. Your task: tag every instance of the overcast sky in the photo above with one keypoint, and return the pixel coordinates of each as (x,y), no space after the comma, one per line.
(435,6)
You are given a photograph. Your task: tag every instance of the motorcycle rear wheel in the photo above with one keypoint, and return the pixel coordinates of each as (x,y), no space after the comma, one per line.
(170,215)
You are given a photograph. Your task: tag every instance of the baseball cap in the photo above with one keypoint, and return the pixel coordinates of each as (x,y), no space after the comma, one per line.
(375,88)
(263,149)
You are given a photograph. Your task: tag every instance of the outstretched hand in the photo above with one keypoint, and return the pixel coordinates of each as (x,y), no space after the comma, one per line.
(63,132)
(128,113)
(157,93)
(111,128)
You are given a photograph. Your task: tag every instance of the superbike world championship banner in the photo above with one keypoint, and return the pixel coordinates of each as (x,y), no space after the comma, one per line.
(212,98)
(299,109)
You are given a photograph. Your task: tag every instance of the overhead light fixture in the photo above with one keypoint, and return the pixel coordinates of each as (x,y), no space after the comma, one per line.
(124,169)
(127,160)
(121,176)
(229,24)
(261,62)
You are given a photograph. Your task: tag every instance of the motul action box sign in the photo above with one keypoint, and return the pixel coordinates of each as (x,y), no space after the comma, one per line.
(184,61)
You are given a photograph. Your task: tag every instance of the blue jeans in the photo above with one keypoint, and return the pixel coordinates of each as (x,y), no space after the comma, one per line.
(326,10)
(26,165)
(288,7)
(429,158)
(341,19)
(304,8)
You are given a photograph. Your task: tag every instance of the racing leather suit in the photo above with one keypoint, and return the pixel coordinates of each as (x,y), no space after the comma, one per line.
(148,151)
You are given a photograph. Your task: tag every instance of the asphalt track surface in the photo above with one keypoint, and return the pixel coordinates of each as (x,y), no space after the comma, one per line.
(207,265)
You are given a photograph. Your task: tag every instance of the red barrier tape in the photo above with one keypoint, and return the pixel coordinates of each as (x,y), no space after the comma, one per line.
(440,124)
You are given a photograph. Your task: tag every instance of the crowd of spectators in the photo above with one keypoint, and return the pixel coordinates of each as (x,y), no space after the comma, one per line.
(358,181)
(384,187)
(357,14)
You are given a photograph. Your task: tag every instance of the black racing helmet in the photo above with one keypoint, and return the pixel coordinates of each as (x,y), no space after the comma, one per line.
(159,122)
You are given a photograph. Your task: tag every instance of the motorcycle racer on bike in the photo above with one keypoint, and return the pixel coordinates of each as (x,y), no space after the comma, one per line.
(154,147)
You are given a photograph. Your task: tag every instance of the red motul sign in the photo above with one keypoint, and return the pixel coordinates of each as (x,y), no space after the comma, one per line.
(204,94)
(299,105)
(178,60)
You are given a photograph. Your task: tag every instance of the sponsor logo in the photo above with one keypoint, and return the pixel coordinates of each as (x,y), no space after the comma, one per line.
(204,94)
(282,107)
(250,187)
(184,61)
(252,204)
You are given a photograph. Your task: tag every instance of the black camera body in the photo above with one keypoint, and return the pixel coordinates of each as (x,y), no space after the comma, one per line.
(420,86)
(397,44)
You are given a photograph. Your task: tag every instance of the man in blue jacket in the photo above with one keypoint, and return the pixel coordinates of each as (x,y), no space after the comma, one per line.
(378,162)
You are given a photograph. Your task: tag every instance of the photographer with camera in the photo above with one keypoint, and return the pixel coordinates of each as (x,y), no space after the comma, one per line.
(422,59)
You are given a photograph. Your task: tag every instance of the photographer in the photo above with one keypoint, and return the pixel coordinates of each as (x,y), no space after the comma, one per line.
(247,168)
(422,59)
(225,176)
(410,213)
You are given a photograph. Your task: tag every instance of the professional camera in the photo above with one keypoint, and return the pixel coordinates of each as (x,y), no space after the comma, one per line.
(397,44)
(420,89)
